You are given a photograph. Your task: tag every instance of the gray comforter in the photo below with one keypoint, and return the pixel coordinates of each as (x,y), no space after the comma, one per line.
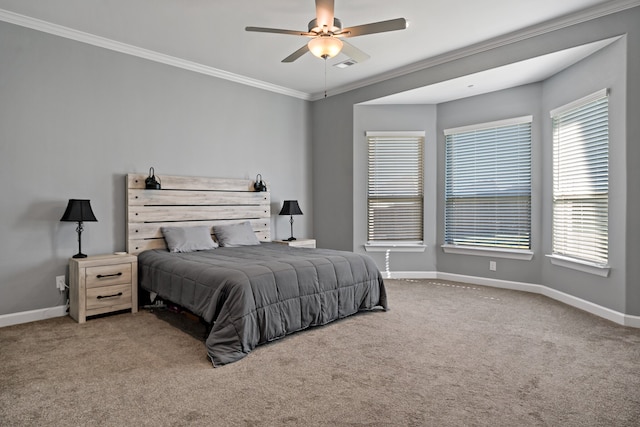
(255,294)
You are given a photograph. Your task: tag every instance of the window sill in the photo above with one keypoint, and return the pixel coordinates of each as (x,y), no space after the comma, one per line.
(488,252)
(395,247)
(584,266)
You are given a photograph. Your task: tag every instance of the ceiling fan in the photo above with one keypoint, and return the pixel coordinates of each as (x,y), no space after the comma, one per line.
(326,33)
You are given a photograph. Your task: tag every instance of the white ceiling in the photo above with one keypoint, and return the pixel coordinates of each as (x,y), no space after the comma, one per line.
(209,35)
(512,75)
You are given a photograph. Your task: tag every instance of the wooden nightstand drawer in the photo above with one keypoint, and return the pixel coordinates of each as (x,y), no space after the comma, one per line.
(102,284)
(108,275)
(109,296)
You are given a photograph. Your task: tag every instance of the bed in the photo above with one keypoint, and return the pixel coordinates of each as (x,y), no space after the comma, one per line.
(249,290)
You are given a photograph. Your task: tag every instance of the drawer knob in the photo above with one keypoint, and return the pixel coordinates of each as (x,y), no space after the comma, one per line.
(103,276)
(119,294)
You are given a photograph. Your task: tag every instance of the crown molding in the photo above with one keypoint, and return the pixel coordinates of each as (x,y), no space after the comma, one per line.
(585,15)
(588,14)
(103,42)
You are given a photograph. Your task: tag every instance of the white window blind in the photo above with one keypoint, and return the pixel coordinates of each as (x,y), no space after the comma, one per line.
(395,186)
(581,179)
(488,185)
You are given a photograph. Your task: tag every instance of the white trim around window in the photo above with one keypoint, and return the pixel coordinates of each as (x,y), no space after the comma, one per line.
(488,187)
(580,238)
(395,189)
(489,125)
(576,264)
(602,93)
(523,255)
(394,247)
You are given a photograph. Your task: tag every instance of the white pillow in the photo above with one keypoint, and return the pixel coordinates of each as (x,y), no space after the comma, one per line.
(232,235)
(188,239)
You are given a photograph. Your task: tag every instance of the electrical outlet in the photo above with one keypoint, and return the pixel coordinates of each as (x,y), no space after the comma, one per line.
(60,283)
(492,265)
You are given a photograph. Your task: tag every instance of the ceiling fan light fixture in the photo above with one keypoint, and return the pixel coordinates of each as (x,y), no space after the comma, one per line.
(325,47)
(325,31)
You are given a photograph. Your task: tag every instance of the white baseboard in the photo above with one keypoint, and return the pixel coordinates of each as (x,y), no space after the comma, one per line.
(494,283)
(410,274)
(32,315)
(589,307)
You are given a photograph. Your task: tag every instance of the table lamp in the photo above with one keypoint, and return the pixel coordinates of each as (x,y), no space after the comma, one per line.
(78,211)
(290,207)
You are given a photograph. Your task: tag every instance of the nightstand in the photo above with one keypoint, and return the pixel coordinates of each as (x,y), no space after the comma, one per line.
(102,284)
(299,243)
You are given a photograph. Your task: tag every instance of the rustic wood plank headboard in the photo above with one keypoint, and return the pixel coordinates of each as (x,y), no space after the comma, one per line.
(188,201)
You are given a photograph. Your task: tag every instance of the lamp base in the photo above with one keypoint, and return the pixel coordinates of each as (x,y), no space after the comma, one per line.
(291,239)
(80,255)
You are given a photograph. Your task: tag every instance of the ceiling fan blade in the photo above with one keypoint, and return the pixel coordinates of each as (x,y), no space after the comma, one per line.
(324,13)
(279,31)
(375,27)
(297,54)
(353,52)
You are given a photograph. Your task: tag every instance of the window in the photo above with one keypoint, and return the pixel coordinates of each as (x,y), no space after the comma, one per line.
(581,179)
(395,187)
(488,185)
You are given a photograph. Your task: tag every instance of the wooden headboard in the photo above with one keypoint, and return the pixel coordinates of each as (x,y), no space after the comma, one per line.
(188,201)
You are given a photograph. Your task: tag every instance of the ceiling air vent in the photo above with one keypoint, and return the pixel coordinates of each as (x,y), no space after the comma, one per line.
(344,64)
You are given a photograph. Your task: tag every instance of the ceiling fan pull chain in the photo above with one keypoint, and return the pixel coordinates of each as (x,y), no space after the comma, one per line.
(325,77)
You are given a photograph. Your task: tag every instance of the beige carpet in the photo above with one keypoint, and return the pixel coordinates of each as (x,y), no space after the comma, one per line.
(446,354)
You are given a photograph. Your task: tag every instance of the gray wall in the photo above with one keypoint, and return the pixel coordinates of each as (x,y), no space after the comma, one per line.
(505,104)
(334,129)
(632,228)
(396,118)
(74,119)
(604,69)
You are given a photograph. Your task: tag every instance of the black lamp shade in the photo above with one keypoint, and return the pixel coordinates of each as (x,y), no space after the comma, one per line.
(78,211)
(290,207)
